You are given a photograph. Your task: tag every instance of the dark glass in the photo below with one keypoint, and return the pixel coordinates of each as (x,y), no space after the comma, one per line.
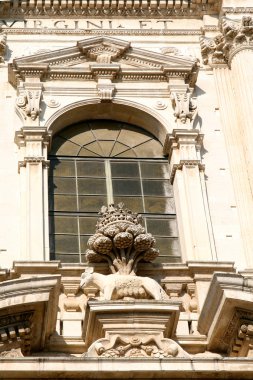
(154,170)
(157,187)
(66,244)
(65,224)
(107,147)
(125,169)
(167,259)
(64,258)
(91,203)
(88,224)
(168,246)
(63,203)
(83,240)
(149,149)
(90,168)
(118,149)
(91,186)
(158,205)
(64,185)
(135,204)
(162,227)
(64,147)
(126,187)
(62,168)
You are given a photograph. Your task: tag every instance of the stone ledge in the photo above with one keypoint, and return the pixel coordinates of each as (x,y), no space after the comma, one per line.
(80,368)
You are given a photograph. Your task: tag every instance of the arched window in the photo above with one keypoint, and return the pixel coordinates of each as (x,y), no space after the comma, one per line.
(99,162)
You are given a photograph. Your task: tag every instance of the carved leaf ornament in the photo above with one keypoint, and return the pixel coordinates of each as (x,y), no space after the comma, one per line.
(121,240)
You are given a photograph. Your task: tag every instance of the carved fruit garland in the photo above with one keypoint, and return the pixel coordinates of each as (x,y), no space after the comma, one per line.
(121,240)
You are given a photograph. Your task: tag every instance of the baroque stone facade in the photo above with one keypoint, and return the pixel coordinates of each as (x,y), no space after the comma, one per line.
(126,195)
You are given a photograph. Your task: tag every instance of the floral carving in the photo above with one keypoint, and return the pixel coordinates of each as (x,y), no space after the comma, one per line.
(3,45)
(120,240)
(233,35)
(135,346)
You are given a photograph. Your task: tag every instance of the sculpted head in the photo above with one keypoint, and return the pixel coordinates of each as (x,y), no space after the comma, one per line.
(86,277)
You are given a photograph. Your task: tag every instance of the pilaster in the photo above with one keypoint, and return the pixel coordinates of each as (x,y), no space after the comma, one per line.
(183,147)
(33,168)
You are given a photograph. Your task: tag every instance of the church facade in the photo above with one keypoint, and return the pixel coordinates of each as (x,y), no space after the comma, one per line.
(126,243)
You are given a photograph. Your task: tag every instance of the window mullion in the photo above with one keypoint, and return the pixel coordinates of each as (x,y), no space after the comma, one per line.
(108,175)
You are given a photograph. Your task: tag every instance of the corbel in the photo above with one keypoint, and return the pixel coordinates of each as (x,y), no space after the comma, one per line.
(185,110)
(28,101)
(104,74)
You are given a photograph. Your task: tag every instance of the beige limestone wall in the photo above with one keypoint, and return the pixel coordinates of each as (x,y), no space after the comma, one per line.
(217,190)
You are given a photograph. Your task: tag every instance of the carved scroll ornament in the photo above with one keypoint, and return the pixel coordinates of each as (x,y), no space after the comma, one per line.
(29,103)
(135,346)
(183,105)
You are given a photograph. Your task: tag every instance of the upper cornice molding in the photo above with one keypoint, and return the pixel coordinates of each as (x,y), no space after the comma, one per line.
(235,36)
(78,63)
(108,8)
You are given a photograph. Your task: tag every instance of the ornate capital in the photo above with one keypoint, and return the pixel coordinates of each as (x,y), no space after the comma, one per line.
(234,36)
(183,148)
(33,143)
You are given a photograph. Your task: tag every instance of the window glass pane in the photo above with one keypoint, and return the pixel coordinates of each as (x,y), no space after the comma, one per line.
(66,244)
(149,149)
(133,203)
(90,168)
(91,186)
(168,246)
(64,147)
(83,240)
(63,203)
(62,168)
(88,224)
(67,258)
(159,205)
(64,185)
(126,187)
(156,187)
(154,170)
(162,227)
(64,224)
(91,203)
(167,259)
(125,169)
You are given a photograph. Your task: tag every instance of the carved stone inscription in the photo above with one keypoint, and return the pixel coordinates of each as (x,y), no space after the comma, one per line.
(87,24)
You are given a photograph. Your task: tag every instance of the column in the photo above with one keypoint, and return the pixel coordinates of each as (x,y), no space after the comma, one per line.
(183,147)
(241,62)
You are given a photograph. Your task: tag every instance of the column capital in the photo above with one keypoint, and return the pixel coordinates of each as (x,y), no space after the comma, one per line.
(234,36)
(183,148)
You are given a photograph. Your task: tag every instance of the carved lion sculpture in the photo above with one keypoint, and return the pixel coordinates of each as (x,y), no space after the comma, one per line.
(115,286)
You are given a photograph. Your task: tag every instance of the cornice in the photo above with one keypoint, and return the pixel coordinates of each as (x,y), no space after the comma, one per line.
(108,8)
(110,52)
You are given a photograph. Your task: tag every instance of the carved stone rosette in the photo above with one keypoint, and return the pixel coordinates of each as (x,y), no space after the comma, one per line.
(120,240)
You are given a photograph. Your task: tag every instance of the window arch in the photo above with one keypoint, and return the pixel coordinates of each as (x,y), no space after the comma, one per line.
(99,162)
